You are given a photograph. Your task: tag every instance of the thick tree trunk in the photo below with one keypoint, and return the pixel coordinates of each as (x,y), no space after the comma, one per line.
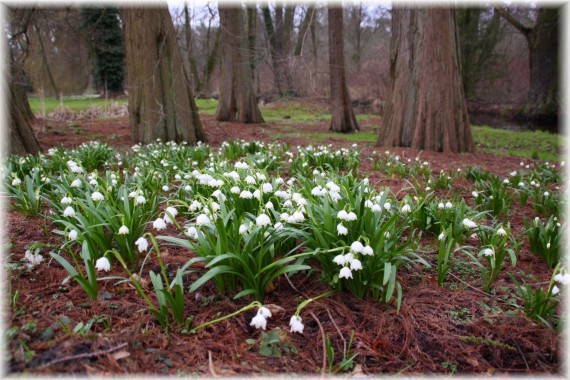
(161,103)
(237,97)
(343,118)
(543,43)
(428,108)
(22,138)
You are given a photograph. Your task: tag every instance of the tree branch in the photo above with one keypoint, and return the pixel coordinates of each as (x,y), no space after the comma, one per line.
(525,30)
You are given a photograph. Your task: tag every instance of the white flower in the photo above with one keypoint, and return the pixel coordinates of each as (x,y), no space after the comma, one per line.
(66,200)
(278,226)
(296,324)
(357,247)
(76,183)
(355,264)
(367,251)
(140,200)
(249,180)
(351,216)
(440,205)
(103,264)
(97,196)
(555,290)
(406,208)
(345,272)
(548,245)
(387,206)
(165,188)
(339,259)
(546,193)
(195,205)
(246,194)
(341,230)
(342,214)
(269,205)
(242,229)
(506,181)
(192,232)
(501,231)
(16,182)
(475,194)
(124,230)
(159,224)
(441,236)
(448,205)
(72,235)
(267,188)
(170,211)
(488,252)
(34,259)
(93,182)
(469,223)
(235,190)
(264,311)
(376,208)
(202,219)
(257,194)
(142,244)
(563,279)
(69,211)
(262,220)
(187,188)
(260,319)
(521,184)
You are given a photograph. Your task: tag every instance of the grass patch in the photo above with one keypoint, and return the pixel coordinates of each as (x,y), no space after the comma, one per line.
(75,103)
(207,106)
(529,144)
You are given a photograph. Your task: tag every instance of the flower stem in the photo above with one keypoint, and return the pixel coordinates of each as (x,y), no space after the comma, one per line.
(243,309)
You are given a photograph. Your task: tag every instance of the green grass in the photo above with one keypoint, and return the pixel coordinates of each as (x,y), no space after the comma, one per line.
(529,144)
(538,144)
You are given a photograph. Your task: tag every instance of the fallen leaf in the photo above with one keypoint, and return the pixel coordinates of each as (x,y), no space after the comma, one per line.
(121,355)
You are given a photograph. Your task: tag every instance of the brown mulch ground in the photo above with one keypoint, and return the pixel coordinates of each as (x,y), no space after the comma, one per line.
(437,330)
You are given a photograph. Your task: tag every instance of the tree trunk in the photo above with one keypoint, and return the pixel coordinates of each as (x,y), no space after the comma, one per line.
(161,104)
(343,118)
(307,21)
(542,104)
(189,55)
(543,43)
(277,35)
(237,97)
(54,88)
(428,109)
(22,138)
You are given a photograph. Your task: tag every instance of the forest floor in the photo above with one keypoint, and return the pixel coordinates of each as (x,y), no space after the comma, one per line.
(438,330)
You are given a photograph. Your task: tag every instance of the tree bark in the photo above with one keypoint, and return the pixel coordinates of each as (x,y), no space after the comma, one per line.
(22,138)
(237,97)
(189,55)
(307,21)
(278,35)
(343,118)
(428,109)
(543,40)
(161,103)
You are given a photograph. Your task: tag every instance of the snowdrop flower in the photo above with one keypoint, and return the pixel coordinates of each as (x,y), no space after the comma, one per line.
(440,205)
(342,214)
(69,211)
(242,229)
(124,230)
(339,259)
(357,247)
(260,319)
(406,208)
(93,182)
(267,188)
(501,231)
(66,200)
(34,259)
(142,244)
(103,264)
(76,183)
(351,216)
(448,205)
(367,251)
(563,279)
(296,324)
(387,206)
(72,235)
(192,232)
(262,220)
(195,205)
(241,165)
(345,272)
(172,211)
(159,224)
(506,181)
(428,188)
(521,184)
(297,217)
(287,203)
(246,194)
(355,264)
(555,290)
(269,205)
(441,236)
(341,230)
(97,196)
(202,219)
(546,193)
(548,245)
(165,188)
(285,217)
(257,194)
(488,252)
(475,194)
(249,180)
(16,182)
(376,208)
(235,190)
(140,200)
(278,226)
(469,223)
(187,188)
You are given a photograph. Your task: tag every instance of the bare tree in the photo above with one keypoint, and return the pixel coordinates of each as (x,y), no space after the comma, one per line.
(543,43)
(427,108)
(161,103)
(343,118)
(237,97)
